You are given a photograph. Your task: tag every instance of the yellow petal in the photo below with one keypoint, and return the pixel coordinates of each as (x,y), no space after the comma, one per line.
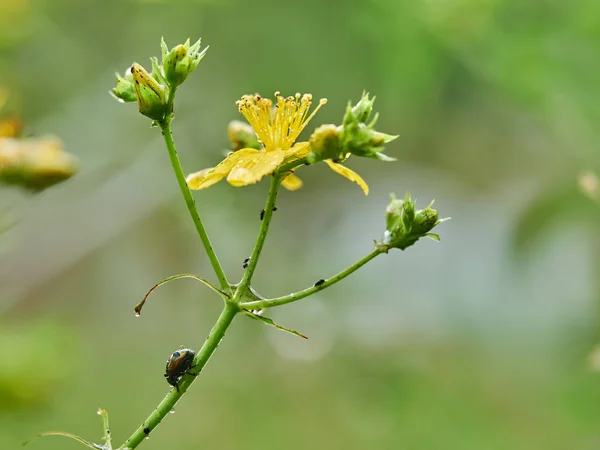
(347,173)
(207,177)
(291,182)
(254,167)
(10,127)
(300,150)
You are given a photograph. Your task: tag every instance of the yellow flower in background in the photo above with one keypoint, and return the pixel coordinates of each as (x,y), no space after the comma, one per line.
(10,126)
(277,127)
(31,163)
(35,163)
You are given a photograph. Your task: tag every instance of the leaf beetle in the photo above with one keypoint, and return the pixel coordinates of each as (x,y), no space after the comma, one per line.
(178,364)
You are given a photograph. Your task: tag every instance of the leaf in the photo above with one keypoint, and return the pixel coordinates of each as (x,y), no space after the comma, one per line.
(138,308)
(69,435)
(435,237)
(268,321)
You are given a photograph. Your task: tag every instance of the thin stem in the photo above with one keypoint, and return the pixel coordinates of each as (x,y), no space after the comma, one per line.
(319,286)
(140,305)
(262,234)
(105,426)
(202,357)
(191,204)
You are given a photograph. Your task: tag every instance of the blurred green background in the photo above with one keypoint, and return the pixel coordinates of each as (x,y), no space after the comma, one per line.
(482,341)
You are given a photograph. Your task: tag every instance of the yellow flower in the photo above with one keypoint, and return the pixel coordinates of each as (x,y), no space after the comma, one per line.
(277,128)
(35,163)
(9,126)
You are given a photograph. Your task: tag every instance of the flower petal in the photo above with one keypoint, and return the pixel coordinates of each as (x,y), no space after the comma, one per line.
(254,167)
(207,177)
(10,127)
(300,150)
(296,155)
(347,173)
(291,182)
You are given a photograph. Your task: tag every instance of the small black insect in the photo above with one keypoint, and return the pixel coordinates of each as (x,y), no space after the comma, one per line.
(262,214)
(245,263)
(319,282)
(274,208)
(146,430)
(177,365)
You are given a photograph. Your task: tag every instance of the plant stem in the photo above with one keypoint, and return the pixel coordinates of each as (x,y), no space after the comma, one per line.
(269,303)
(262,234)
(165,126)
(202,357)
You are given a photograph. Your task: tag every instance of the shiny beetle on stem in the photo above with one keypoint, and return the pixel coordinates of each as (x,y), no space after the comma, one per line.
(178,364)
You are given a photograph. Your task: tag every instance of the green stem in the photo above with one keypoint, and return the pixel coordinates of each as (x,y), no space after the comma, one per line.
(269,303)
(262,234)
(165,126)
(202,357)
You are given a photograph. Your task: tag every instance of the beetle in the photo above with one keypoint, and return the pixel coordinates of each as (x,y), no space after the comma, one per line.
(178,364)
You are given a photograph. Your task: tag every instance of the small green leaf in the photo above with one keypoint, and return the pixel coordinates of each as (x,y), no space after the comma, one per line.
(268,321)
(157,71)
(435,237)
(164,50)
(381,157)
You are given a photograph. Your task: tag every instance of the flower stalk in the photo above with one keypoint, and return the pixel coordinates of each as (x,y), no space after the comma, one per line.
(165,126)
(319,286)
(262,234)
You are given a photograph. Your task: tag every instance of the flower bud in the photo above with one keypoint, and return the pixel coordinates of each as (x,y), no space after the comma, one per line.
(326,143)
(150,94)
(359,137)
(360,112)
(425,220)
(408,212)
(241,135)
(393,214)
(363,140)
(124,90)
(180,61)
(405,226)
(177,65)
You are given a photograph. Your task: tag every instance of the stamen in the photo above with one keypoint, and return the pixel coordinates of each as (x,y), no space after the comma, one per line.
(279,126)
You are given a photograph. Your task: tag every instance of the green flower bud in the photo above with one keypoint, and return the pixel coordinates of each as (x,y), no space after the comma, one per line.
(360,112)
(124,90)
(180,61)
(393,214)
(425,220)
(151,96)
(408,212)
(326,143)
(177,65)
(368,143)
(241,135)
(360,138)
(405,226)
